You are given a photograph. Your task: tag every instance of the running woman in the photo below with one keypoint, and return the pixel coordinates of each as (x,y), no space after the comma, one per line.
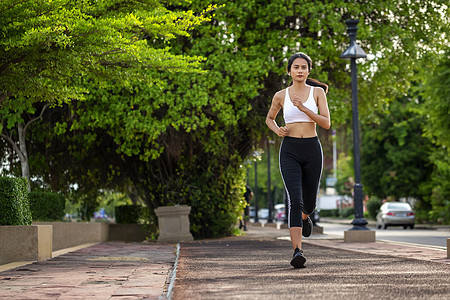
(304,105)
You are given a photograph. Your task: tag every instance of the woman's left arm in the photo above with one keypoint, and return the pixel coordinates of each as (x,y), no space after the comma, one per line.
(322,119)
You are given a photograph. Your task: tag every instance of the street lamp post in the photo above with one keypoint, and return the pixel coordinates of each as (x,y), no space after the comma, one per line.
(269,188)
(256,192)
(353,52)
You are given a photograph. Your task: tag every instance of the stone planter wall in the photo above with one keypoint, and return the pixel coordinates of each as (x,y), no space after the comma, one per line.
(70,234)
(25,243)
(38,241)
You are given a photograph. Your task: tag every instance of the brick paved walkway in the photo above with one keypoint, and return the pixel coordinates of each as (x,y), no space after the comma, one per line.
(102,271)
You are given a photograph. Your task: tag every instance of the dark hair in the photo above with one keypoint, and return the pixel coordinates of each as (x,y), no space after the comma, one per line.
(309,81)
(299,55)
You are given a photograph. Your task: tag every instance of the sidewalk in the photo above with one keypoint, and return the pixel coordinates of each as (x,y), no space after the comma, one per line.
(257,267)
(102,271)
(254,266)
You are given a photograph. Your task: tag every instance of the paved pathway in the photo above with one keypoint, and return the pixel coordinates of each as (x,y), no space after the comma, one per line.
(257,267)
(254,266)
(103,271)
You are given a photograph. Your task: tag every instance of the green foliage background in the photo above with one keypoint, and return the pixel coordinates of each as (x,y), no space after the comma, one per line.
(128,214)
(396,152)
(46,206)
(406,153)
(152,122)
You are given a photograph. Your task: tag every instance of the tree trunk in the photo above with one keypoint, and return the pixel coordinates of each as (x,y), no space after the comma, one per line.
(24,157)
(133,194)
(21,150)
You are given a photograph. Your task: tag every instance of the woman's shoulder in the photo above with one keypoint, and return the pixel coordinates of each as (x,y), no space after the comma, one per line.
(317,91)
(280,94)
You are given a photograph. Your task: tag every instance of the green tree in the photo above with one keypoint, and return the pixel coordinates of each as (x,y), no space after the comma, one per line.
(395,155)
(47,46)
(436,96)
(435,110)
(406,153)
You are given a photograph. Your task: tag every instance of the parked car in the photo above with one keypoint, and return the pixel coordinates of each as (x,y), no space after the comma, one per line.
(263,213)
(280,213)
(395,214)
(316,217)
(251,212)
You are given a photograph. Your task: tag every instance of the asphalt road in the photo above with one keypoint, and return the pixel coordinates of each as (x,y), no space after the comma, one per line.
(427,237)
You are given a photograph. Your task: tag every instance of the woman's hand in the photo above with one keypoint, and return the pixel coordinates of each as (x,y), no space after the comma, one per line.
(297,101)
(282,131)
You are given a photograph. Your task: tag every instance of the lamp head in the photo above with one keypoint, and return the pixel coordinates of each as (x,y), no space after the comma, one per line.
(354,50)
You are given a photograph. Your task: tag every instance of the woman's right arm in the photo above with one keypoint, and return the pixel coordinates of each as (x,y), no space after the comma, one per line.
(272,114)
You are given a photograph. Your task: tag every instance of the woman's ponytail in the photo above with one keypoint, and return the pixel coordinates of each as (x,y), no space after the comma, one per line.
(315,82)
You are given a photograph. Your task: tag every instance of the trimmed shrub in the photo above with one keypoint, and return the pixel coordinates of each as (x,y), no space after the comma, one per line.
(373,205)
(128,214)
(346,212)
(47,206)
(329,213)
(14,205)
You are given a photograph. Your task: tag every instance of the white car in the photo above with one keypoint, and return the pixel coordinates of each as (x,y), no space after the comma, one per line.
(263,213)
(395,214)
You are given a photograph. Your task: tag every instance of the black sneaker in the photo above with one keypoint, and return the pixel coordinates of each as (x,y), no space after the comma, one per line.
(307,227)
(298,260)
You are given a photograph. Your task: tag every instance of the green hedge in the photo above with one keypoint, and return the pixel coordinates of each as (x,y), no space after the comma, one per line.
(373,205)
(14,205)
(346,212)
(329,213)
(47,206)
(128,214)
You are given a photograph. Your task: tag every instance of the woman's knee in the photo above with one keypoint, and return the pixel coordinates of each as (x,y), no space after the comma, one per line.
(308,208)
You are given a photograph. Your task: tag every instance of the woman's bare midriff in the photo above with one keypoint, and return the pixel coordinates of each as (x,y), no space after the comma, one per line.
(302,129)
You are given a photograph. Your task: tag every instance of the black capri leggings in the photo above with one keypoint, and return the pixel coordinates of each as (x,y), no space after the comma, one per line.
(301,168)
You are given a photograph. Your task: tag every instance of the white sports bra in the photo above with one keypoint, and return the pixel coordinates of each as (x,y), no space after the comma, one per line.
(292,114)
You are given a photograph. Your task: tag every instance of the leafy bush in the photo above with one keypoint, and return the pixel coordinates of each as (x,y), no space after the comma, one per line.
(329,213)
(47,206)
(214,191)
(435,205)
(217,202)
(128,214)
(14,205)
(373,205)
(366,215)
(346,212)
(422,212)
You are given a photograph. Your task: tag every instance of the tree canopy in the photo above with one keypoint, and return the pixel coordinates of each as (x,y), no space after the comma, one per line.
(49,48)
(396,152)
(405,154)
(184,138)
(436,96)
(46,48)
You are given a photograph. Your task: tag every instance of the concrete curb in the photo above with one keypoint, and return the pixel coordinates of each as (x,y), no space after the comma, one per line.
(173,275)
(373,223)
